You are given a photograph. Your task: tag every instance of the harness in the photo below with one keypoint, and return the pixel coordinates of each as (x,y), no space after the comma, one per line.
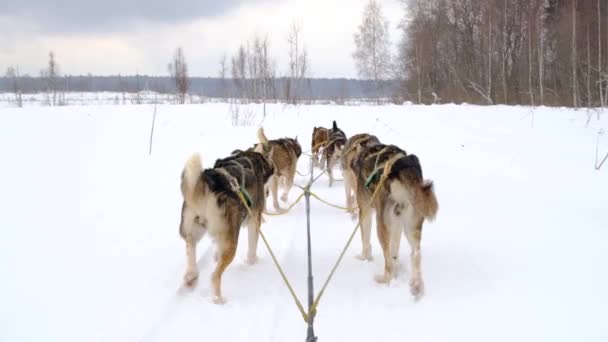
(374,174)
(234,183)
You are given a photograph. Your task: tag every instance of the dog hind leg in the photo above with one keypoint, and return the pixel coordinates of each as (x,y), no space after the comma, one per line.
(288,184)
(191,271)
(413,233)
(366,228)
(253,227)
(274,189)
(227,251)
(384,237)
(330,170)
(191,232)
(395,228)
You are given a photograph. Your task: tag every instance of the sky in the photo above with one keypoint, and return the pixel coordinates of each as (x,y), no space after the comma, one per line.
(124,37)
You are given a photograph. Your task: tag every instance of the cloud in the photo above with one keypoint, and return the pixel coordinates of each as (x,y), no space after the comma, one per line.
(109,16)
(148,44)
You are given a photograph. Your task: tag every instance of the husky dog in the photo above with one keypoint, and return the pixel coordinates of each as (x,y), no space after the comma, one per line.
(212,205)
(349,154)
(284,156)
(404,200)
(320,136)
(332,150)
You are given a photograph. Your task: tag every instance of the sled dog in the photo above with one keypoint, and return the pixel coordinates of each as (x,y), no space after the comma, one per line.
(404,201)
(284,156)
(211,205)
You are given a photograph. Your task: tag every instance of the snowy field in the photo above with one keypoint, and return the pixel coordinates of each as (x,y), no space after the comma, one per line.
(8,100)
(90,250)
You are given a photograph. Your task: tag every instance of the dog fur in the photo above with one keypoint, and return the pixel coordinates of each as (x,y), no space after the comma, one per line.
(212,205)
(403,202)
(284,155)
(333,150)
(351,149)
(320,136)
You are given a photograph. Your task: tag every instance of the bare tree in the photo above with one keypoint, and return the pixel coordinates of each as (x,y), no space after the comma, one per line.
(574,62)
(178,69)
(51,75)
(372,46)
(137,98)
(541,59)
(531,16)
(12,73)
(588,70)
(239,71)
(490,53)
(222,74)
(298,65)
(599,51)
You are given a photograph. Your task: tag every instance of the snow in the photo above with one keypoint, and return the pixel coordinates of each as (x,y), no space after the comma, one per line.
(90,250)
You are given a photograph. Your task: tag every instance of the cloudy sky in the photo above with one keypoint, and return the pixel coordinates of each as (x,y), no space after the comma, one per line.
(123,36)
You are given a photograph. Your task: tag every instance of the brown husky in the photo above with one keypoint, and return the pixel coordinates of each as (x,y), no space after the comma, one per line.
(351,149)
(212,205)
(320,136)
(284,155)
(332,150)
(404,200)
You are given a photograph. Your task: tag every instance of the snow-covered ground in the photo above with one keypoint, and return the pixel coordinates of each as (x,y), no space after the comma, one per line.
(90,251)
(9,100)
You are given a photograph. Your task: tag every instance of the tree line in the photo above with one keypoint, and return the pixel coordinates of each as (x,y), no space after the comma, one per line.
(531,52)
(534,52)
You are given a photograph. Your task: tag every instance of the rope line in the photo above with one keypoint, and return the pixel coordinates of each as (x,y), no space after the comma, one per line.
(388,165)
(276,263)
(307,316)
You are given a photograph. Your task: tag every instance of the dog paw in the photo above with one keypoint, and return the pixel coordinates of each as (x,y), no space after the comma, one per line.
(416,288)
(382,278)
(364,257)
(219,300)
(252,260)
(190,278)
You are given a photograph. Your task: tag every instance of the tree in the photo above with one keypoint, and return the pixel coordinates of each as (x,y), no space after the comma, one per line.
(372,46)
(298,65)
(12,73)
(222,74)
(574,62)
(239,71)
(178,69)
(51,75)
(599,51)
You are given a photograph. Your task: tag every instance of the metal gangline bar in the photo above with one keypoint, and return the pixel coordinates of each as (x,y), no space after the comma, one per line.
(310,331)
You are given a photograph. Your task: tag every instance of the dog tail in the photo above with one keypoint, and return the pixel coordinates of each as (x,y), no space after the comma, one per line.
(426,201)
(191,178)
(262,137)
(334,126)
